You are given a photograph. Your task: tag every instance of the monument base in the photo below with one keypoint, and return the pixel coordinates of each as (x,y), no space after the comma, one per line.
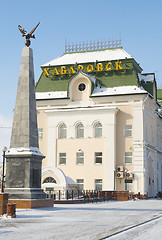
(25,193)
(32,203)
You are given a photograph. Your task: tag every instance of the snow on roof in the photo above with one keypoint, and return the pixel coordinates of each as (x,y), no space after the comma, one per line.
(146,77)
(51,95)
(84,57)
(117,90)
(70,181)
(98,91)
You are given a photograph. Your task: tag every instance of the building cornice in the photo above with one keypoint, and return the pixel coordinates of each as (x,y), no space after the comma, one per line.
(89,108)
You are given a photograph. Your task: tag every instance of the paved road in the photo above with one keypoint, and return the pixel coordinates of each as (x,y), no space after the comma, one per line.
(85,221)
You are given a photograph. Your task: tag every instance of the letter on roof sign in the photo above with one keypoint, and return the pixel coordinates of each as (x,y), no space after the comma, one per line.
(46,71)
(99,67)
(109,66)
(117,65)
(80,67)
(89,68)
(55,72)
(71,70)
(63,70)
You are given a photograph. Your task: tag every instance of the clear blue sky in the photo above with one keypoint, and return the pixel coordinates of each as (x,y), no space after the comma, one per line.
(139,23)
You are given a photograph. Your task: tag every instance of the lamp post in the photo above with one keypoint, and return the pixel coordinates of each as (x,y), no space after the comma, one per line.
(4,149)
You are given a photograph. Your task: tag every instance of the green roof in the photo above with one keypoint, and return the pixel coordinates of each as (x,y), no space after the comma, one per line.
(123,77)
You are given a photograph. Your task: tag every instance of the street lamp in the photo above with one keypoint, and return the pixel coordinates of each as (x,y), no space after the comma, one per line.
(4,149)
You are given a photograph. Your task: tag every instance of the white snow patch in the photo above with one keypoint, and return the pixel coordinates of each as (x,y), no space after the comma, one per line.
(50,95)
(85,221)
(24,151)
(146,78)
(99,91)
(87,57)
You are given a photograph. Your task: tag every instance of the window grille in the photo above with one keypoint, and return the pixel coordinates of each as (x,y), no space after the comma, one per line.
(62,158)
(98,157)
(80,183)
(98,130)
(80,157)
(128,131)
(63,131)
(128,157)
(80,130)
(98,184)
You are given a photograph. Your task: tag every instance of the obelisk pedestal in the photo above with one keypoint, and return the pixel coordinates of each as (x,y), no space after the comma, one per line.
(23,159)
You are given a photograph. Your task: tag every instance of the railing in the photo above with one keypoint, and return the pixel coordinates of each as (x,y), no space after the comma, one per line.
(91,45)
(88,196)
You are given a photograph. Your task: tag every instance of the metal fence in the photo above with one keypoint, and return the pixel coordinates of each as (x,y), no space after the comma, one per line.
(87,195)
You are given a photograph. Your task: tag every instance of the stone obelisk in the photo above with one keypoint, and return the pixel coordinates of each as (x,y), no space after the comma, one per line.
(23,159)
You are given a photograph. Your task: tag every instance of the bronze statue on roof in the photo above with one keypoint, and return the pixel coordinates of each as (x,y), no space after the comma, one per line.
(28,35)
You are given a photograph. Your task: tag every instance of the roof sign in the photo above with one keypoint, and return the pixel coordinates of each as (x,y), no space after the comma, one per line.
(99,67)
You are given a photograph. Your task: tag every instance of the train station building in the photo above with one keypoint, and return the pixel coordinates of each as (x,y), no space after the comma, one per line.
(99,123)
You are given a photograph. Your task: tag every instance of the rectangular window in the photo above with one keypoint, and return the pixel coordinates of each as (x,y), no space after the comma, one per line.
(128,157)
(80,183)
(80,158)
(98,157)
(128,130)
(128,185)
(98,184)
(62,158)
(40,133)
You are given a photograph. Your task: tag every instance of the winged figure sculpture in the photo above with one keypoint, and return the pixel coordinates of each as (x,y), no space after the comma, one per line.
(28,35)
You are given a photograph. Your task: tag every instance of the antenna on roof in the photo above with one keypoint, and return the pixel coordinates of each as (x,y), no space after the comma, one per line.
(92,45)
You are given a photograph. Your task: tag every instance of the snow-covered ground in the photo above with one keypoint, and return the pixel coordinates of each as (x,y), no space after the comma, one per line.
(87,221)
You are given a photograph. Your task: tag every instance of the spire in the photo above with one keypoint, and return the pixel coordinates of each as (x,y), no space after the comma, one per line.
(24,129)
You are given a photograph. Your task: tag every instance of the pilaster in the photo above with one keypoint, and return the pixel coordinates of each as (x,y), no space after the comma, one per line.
(110,150)
(138,146)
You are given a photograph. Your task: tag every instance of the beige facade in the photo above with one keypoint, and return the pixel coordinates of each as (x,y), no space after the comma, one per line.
(142,143)
(97,137)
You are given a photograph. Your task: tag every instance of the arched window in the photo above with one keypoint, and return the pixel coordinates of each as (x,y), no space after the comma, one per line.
(49,180)
(98,130)
(62,131)
(80,130)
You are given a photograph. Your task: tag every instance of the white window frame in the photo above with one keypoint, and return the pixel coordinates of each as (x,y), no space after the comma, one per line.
(127,131)
(80,158)
(98,130)
(128,185)
(128,157)
(62,131)
(80,130)
(98,184)
(80,183)
(62,158)
(98,157)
